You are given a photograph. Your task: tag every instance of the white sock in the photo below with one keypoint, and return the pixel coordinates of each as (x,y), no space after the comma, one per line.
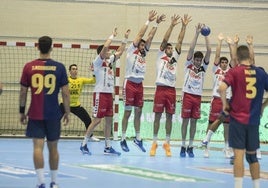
(138,136)
(53,174)
(191,143)
(155,138)
(40,175)
(256,183)
(183,143)
(107,143)
(124,136)
(238,182)
(226,145)
(209,135)
(85,141)
(168,139)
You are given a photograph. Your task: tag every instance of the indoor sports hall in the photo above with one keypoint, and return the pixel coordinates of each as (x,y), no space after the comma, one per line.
(78,27)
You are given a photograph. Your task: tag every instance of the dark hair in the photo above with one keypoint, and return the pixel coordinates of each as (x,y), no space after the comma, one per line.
(198,54)
(44,44)
(99,49)
(242,53)
(142,40)
(72,65)
(223,59)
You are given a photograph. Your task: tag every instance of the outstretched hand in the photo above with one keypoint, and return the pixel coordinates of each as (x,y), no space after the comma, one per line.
(249,39)
(115,32)
(186,19)
(160,18)
(152,15)
(127,33)
(175,19)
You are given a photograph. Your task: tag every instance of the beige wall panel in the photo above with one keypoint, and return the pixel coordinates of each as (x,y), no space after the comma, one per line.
(92,21)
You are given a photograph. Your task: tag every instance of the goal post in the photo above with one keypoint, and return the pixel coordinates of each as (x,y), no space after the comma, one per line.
(14,55)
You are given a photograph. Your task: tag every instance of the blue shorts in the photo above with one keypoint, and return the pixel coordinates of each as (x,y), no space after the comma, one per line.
(44,128)
(243,136)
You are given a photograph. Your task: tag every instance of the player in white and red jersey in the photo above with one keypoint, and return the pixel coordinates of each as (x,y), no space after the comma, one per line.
(103,92)
(166,71)
(195,68)
(133,87)
(220,68)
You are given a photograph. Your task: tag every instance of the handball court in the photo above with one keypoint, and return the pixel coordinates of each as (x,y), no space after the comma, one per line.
(130,170)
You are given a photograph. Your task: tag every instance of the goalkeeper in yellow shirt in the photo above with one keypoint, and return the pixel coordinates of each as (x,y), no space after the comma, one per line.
(75,86)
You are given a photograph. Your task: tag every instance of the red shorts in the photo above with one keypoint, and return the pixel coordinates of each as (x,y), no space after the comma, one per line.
(216,109)
(133,93)
(190,107)
(165,98)
(102,105)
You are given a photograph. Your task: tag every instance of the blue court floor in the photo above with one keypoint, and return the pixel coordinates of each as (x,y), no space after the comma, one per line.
(130,170)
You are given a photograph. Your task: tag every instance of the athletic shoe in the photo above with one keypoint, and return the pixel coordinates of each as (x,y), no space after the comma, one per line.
(153,149)
(111,151)
(227,153)
(124,146)
(190,152)
(93,139)
(139,144)
(232,160)
(84,150)
(166,147)
(183,152)
(53,185)
(258,154)
(41,186)
(206,153)
(204,144)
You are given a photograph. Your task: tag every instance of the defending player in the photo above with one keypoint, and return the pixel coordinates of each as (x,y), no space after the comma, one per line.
(75,86)
(166,70)
(103,92)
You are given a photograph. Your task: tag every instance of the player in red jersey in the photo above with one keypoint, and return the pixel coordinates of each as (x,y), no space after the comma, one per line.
(103,92)
(248,84)
(165,94)
(45,78)
(133,84)
(195,69)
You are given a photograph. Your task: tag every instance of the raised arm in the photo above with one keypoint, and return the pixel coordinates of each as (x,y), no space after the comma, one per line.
(148,42)
(151,17)
(233,43)
(185,20)
(122,48)
(249,41)
(218,49)
(174,21)
(208,52)
(107,44)
(193,43)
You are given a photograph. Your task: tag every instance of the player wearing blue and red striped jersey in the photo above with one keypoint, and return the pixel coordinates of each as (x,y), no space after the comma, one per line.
(248,84)
(45,78)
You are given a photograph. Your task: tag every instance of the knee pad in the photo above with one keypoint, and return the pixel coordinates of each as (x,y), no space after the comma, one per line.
(251,158)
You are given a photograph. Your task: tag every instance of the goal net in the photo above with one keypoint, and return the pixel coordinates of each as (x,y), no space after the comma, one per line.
(14,55)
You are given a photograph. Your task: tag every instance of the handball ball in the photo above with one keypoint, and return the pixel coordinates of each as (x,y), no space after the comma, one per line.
(205,31)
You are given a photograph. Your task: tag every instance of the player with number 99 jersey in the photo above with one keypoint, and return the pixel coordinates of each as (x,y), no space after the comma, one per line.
(45,77)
